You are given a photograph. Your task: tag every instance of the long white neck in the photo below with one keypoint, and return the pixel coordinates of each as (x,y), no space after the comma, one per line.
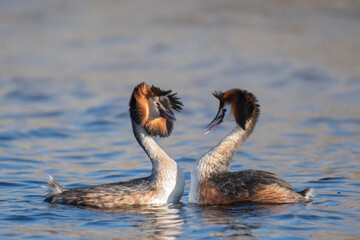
(218,159)
(166,175)
(162,164)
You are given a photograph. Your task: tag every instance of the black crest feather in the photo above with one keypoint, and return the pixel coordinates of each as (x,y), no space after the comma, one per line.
(219,95)
(246,108)
(134,111)
(174,100)
(166,97)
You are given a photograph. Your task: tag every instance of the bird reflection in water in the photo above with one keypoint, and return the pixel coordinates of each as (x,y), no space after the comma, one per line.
(236,218)
(154,222)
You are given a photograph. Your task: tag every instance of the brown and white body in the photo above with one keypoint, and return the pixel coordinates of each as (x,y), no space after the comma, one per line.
(211,181)
(151,115)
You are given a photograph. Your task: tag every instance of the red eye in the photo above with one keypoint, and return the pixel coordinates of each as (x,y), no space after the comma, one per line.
(157,104)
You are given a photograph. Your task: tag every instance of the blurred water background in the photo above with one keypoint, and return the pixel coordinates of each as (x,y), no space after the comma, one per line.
(67,69)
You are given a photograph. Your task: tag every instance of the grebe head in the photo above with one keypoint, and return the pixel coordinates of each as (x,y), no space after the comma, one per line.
(150,108)
(235,104)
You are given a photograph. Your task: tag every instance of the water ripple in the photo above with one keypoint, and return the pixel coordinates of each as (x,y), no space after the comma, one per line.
(20,218)
(49,133)
(19,160)
(27,96)
(10,184)
(12,136)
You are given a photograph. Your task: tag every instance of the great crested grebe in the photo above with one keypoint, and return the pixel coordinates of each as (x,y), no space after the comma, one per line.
(151,115)
(211,181)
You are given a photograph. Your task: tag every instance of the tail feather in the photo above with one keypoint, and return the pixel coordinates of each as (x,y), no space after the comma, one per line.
(54,187)
(307,193)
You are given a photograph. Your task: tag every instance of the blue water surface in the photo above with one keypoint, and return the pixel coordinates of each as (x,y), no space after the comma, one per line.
(67,70)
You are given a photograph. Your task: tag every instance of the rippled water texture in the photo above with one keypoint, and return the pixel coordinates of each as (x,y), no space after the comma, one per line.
(67,69)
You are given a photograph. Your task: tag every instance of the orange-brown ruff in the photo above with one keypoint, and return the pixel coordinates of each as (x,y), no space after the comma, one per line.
(211,181)
(151,115)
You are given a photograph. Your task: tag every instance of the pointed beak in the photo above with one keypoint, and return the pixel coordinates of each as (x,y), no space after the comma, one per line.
(216,122)
(167,114)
